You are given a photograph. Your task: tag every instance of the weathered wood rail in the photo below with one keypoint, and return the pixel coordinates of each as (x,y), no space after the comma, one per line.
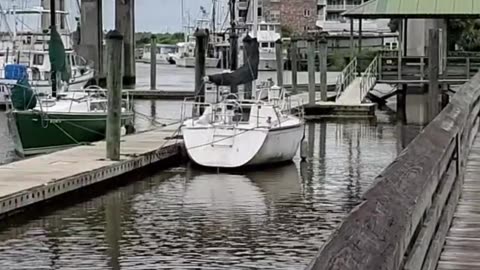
(402,220)
(458,69)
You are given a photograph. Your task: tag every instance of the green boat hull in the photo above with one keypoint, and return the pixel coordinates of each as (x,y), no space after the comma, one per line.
(37,133)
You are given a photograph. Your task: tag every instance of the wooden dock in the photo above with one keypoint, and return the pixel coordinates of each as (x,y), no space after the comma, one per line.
(462,243)
(333,109)
(41,178)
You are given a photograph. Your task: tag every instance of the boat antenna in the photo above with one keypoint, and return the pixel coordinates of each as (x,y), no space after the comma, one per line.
(53,27)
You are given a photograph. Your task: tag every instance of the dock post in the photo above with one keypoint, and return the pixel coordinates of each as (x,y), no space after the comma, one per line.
(91,36)
(114,85)
(294,62)
(234,57)
(153,63)
(125,23)
(201,36)
(323,54)
(433,68)
(311,70)
(279,58)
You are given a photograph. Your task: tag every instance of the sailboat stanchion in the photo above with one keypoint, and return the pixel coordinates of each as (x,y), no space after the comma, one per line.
(114,85)
(153,63)
(279,58)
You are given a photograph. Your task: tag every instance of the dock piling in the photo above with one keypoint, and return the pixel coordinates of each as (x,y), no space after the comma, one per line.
(125,23)
(433,70)
(153,63)
(311,70)
(114,85)
(322,56)
(294,63)
(279,58)
(201,36)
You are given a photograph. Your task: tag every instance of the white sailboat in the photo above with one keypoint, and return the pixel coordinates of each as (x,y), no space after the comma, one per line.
(235,133)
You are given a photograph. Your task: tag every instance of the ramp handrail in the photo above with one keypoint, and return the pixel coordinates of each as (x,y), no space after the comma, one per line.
(346,77)
(369,78)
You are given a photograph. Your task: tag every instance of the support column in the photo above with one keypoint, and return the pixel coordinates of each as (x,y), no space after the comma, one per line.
(360,35)
(433,68)
(352,40)
(91,34)
(311,70)
(124,22)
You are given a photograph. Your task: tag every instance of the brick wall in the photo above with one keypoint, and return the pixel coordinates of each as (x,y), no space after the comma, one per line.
(298,14)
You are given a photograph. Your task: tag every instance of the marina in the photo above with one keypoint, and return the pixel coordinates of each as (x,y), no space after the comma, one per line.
(306,134)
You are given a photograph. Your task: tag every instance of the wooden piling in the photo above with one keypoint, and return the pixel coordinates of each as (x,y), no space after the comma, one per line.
(125,23)
(322,56)
(433,70)
(311,70)
(294,62)
(279,58)
(114,85)
(201,36)
(153,63)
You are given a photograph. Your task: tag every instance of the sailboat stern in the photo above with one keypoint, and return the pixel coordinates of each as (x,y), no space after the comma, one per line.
(223,147)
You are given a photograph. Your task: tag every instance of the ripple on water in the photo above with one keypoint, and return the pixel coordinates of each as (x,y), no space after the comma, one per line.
(184,218)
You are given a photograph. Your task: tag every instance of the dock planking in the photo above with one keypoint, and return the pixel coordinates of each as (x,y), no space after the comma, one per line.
(462,243)
(34,180)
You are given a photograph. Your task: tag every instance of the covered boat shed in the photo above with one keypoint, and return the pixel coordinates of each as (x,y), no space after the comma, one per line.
(418,16)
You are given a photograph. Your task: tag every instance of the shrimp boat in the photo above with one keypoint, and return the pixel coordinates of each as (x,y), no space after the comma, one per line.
(236,133)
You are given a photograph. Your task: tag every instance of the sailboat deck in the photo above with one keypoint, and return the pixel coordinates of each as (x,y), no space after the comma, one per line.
(36,179)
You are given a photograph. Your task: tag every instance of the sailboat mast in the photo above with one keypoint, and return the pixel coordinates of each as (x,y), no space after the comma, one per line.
(53,27)
(183,21)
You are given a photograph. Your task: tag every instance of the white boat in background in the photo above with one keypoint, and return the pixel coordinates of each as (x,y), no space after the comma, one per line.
(165,54)
(185,56)
(38,67)
(235,133)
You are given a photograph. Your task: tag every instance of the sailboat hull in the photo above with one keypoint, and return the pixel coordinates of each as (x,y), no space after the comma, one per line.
(233,148)
(35,132)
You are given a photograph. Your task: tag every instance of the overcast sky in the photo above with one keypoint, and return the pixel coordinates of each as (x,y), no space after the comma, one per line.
(151,15)
(159,15)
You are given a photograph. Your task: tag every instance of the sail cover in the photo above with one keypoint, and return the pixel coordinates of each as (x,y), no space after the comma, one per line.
(58,57)
(246,73)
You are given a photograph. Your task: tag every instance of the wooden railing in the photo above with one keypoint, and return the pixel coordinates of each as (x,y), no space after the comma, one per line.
(346,77)
(403,219)
(369,79)
(393,68)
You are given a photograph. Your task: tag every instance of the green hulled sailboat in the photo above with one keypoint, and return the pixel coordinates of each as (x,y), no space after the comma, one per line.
(50,123)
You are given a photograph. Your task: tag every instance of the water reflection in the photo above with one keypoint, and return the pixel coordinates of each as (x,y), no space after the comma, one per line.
(189,218)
